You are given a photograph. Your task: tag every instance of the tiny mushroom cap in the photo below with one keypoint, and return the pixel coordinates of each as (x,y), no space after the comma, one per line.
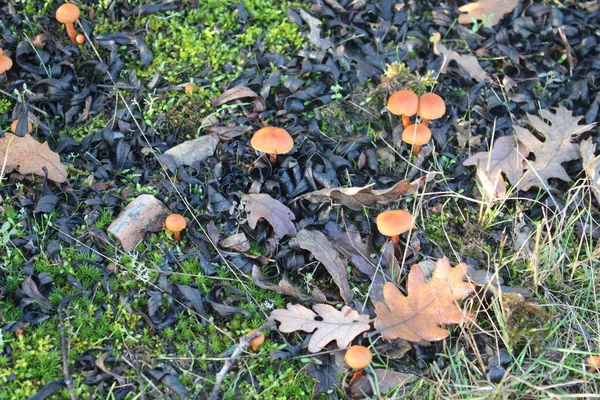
(431,106)
(257,341)
(594,363)
(67,13)
(80,39)
(358,357)
(394,222)
(272,140)
(403,102)
(417,134)
(175,223)
(5,63)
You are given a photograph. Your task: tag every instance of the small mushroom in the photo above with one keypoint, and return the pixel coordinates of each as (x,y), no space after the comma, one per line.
(67,14)
(175,223)
(416,135)
(5,63)
(431,106)
(257,341)
(393,223)
(80,39)
(594,363)
(189,89)
(273,141)
(403,102)
(13,126)
(358,357)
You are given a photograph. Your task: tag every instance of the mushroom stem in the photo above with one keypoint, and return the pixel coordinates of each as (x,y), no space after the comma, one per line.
(71,32)
(356,375)
(416,149)
(395,240)
(405,121)
(424,121)
(273,158)
(177,235)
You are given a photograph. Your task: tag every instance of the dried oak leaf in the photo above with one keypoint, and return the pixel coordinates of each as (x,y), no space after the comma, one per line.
(357,197)
(503,157)
(591,165)
(428,305)
(326,323)
(468,63)
(554,150)
(30,156)
(322,249)
(489,11)
(260,205)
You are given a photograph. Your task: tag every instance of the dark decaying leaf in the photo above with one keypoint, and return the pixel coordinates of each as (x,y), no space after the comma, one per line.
(284,287)
(322,249)
(327,374)
(351,245)
(169,380)
(235,93)
(48,390)
(221,301)
(192,294)
(122,38)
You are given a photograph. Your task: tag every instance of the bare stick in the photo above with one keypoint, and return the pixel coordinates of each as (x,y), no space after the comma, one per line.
(230,362)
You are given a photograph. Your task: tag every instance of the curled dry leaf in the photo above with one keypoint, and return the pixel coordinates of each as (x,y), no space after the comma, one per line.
(322,249)
(357,197)
(283,287)
(469,63)
(591,165)
(30,157)
(428,305)
(489,11)
(503,157)
(326,323)
(235,93)
(260,205)
(554,150)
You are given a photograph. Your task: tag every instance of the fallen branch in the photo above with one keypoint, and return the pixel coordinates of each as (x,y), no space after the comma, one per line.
(237,352)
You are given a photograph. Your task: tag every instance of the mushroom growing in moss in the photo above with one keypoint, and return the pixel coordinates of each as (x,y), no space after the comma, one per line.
(175,223)
(67,14)
(273,141)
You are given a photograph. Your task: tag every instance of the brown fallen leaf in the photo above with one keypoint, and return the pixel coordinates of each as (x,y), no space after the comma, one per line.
(428,305)
(357,197)
(190,151)
(503,157)
(237,242)
(554,150)
(260,205)
(235,93)
(322,249)
(283,287)
(468,62)
(351,245)
(492,186)
(30,156)
(489,11)
(327,324)
(591,165)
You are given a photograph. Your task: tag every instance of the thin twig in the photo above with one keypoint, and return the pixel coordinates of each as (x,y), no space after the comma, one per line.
(230,362)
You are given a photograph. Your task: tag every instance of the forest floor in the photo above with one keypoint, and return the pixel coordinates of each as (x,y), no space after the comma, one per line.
(492,293)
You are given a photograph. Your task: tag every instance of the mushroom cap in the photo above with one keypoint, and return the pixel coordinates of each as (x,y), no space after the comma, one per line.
(431,106)
(80,39)
(175,223)
(13,126)
(394,222)
(272,140)
(416,134)
(358,357)
(403,102)
(257,341)
(593,362)
(5,63)
(67,13)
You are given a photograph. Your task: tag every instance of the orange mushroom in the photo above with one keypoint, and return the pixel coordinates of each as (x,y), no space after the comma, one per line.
(67,14)
(431,106)
(393,223)
(273,141)
(358,358)
(257,341)
(416,135)
(189,89)
(175,223)
(13,126)
(80,39)
(5,63)
(403,102)
(594,363)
